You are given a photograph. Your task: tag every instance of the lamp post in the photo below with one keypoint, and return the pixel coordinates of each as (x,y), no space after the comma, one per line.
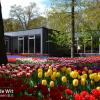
(91,45)
(73,30)
(77,45)
(84,48)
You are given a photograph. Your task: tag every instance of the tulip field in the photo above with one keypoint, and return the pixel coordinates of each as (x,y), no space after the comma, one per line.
(52,79)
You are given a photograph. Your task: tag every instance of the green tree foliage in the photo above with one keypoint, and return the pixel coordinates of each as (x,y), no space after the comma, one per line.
(59,19)
(11,25)
(40,21)
(90,23)
(87,23)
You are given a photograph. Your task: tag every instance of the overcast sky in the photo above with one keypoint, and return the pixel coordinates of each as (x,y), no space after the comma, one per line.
(6,4)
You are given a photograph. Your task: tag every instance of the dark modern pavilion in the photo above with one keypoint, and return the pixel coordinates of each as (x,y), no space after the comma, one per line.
(28,41)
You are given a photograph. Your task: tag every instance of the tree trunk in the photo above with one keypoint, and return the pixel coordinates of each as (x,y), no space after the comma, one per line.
(73,30)
(3,57)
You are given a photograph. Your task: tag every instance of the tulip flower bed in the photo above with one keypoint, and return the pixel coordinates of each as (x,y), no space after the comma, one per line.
(50,82)
(92,62)
(25,60)
(30,60)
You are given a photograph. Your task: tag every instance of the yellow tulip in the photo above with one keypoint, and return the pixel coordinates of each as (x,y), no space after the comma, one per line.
(44,82)
(64,79)
(91,76)
(83,72)
(40,70)
(54,74)
(84,76)
(58,74)
(79,76)
(94,74)
(68,70)
(75,82)
(54,69)
(92,82)
(74,74)
(50,67)
(53,77)
(49,72)
(89,71)
(83,81)
(98,88)
(46,74)
(52,84)
(96,78)
(63,69)
(40,75)
(85,68)
(98,73)
(99,76)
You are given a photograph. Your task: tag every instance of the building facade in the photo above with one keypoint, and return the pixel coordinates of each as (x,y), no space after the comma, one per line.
(28,41)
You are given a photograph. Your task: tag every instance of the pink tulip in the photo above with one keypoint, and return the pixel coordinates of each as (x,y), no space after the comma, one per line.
(30,71)
(7,72)
(28,74)
(13,75)
(8,66)
(0,68)
(19,74)
(3,67)
(28,68)
(24,72)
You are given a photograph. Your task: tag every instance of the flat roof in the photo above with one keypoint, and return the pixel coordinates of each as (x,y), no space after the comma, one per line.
(30,32)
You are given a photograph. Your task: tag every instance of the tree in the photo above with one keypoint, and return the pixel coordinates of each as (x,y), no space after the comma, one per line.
(24,15)
(59,20)
(73,29)
(90,24)
(11,25)
(3,57)
(63,6)
(40,21)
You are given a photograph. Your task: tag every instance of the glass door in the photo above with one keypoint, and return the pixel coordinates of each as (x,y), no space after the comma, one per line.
(7,45)
(31,44)
(20,44)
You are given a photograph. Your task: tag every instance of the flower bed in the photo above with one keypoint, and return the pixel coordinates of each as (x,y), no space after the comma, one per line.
(19,59)
(30,60)
(51,81)
(92,62)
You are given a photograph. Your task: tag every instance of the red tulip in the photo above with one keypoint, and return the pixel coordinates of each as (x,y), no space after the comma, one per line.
(30,90)
(96,92)
(77,97)
(84,93)
(91,97)
(68,91)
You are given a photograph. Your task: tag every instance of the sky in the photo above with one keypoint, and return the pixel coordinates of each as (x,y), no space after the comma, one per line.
(6,4)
